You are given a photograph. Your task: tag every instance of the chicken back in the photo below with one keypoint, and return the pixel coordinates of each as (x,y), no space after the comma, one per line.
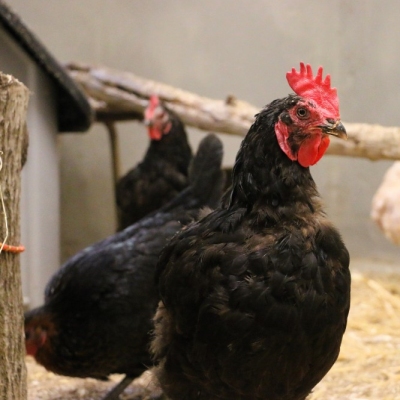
(255,296)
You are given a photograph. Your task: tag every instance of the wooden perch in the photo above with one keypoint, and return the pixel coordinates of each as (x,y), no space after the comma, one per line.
(117,95)
(13,108)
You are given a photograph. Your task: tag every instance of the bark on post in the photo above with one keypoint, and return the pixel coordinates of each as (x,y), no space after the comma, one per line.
(13,107)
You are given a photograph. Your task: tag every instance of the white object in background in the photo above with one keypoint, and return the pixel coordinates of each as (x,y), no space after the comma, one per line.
(386,204)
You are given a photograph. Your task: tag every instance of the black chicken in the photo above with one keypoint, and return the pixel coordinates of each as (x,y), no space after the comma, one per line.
(99,306)
(255,296)
(163,172)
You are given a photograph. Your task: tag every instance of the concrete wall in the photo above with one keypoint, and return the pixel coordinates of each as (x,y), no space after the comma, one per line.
(220,47)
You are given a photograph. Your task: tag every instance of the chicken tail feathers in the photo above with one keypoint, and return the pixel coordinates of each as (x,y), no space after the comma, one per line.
(205,175)
(206,178)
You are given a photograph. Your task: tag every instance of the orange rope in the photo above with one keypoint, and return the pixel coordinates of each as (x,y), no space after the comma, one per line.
(12,249)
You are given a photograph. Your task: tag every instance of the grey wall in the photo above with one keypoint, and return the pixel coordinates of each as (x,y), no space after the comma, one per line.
(40,190)
(220,47)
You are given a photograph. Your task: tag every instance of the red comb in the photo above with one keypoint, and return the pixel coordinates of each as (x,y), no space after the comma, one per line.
(316,88)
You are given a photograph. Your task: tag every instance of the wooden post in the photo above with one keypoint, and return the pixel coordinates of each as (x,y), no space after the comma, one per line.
(13,108)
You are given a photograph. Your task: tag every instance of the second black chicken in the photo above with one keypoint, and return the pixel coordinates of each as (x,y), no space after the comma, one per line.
(98,307)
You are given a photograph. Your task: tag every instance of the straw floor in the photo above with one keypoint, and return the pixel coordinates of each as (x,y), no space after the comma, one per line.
(368,366)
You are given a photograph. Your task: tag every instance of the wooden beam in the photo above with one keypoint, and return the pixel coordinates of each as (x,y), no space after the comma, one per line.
(122,95)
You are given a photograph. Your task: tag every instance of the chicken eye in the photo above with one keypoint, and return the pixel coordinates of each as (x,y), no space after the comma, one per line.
(302,113)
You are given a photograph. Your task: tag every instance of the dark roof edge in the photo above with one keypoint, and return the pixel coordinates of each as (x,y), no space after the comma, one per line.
(74,113)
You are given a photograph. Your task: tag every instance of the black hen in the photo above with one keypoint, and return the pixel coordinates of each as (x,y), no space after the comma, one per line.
(255,296)
(99,306)
(162,174)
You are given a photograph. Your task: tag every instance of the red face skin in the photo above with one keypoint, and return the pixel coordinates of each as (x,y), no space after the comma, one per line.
(157,119)
(305,132)
(35,338)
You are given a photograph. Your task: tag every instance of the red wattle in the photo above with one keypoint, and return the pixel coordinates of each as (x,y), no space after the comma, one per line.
(322,147)
(312,150)
(155,134)
(31,349)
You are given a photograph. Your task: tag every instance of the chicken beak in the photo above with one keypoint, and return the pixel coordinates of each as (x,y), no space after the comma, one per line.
(335,128)
(148,123)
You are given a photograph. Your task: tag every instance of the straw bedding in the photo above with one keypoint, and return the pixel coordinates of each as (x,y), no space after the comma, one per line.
(368,366)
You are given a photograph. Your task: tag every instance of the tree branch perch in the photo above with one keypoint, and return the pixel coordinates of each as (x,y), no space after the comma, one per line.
(117,95)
